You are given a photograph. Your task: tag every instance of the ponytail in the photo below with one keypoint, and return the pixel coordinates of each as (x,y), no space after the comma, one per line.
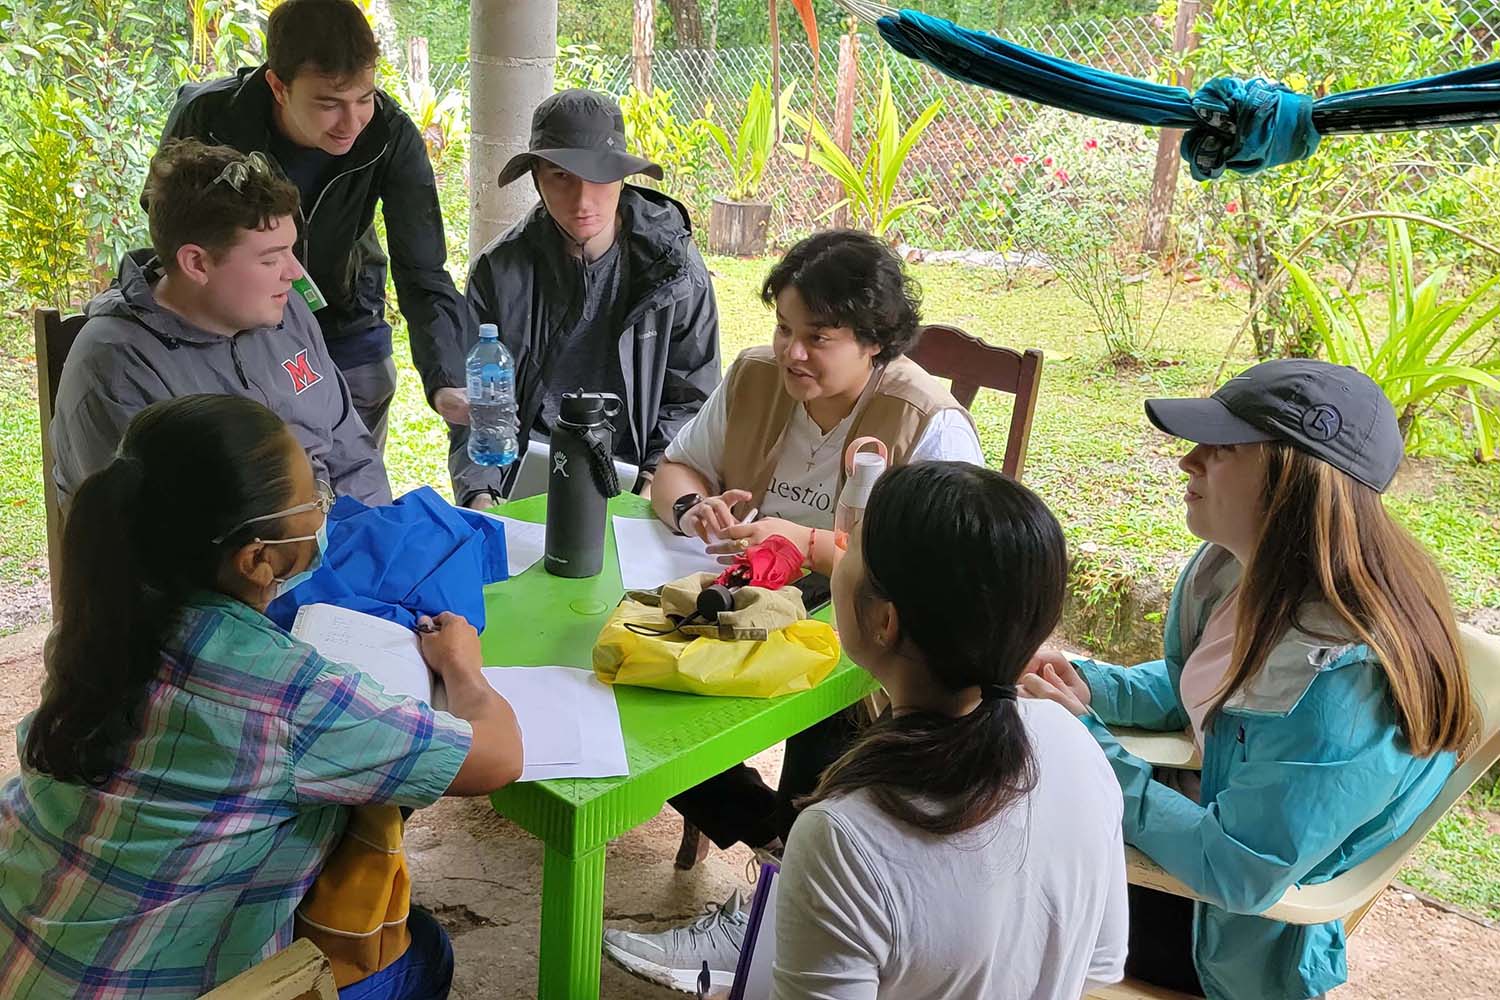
(939,774)
(137,543)
(975,567)
(108,616)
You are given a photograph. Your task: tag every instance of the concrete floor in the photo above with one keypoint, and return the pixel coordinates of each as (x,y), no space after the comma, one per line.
(482,877)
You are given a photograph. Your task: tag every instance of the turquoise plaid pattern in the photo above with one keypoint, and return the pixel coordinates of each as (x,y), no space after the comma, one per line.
(186,867)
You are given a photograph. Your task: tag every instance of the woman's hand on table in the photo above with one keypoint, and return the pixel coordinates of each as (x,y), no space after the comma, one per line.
(1051,675)
(712,516)
(739,537)
(450,645)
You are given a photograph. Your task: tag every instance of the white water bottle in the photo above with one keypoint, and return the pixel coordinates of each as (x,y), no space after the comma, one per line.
(861,469)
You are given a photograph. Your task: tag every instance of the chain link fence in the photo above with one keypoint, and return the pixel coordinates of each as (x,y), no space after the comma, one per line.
(984,150)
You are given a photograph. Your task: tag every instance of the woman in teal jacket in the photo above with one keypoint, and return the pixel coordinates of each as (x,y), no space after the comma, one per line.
(1311,651)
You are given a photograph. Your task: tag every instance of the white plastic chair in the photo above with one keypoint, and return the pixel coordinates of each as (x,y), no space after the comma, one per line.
(1349,896)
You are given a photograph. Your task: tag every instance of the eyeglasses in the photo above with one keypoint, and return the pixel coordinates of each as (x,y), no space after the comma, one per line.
(238,172)
(324,503)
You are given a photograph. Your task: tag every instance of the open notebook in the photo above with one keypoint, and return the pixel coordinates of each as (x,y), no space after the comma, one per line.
(570,726)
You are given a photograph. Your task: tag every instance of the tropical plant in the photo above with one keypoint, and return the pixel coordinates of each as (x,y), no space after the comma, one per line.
(1433,348)
(442,121)
(44,239)
(108,61)
(870,188)
(752,146)
(580,65)
(653,130)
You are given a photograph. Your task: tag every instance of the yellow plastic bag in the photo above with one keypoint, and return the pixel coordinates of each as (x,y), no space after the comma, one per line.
(794,658)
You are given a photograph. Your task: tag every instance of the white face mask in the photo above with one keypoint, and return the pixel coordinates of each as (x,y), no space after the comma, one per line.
(289,584)
(323,503)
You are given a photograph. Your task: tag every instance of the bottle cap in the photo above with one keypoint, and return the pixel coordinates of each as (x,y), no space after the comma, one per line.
(489,331)
(588,407)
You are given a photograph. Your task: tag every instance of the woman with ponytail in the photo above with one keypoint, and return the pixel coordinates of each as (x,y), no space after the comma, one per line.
(968,846)
(1310,652)
(191,765)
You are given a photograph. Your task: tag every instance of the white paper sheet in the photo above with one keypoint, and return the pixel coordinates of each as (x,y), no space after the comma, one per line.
(525,542)
(570,724)
(651,554)
(385,650)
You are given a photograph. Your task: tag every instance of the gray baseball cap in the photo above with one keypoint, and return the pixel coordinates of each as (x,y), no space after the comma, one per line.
(582,131)
(1332,412)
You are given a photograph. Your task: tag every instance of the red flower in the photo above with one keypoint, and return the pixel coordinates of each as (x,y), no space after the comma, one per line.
(1020,161)
(1062,176)
(1232,207)
(1047,162)
(1091,144)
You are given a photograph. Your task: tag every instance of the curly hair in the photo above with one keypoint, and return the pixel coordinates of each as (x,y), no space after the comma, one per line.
(852,279)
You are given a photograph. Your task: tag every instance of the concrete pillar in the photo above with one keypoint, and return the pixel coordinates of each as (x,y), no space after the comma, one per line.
(512,56)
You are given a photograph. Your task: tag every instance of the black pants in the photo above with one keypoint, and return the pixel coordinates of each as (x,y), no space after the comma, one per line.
(737,804)
(1161,941)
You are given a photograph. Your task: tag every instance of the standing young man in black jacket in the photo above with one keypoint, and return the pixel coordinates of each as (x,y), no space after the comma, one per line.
(313,110)
(599,287)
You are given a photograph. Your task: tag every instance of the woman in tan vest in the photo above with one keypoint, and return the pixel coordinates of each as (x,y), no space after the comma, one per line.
(772,438)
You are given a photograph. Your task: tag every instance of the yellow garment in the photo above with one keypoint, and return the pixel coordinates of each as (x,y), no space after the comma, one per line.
(793,658)
(356,910)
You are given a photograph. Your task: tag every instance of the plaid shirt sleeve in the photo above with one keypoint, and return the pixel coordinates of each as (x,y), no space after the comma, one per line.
(354,744)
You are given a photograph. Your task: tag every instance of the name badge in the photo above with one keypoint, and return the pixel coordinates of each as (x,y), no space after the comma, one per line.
(311,294)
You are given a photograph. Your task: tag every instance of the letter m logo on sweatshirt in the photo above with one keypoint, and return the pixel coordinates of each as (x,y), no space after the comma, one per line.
(303,376)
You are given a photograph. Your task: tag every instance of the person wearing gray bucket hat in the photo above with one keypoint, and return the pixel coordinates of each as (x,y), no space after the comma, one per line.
(599,287)
(1311,655)
(583,132)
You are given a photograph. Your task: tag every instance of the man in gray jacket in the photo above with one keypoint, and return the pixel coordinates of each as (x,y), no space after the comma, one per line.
(212,310)
(599,287)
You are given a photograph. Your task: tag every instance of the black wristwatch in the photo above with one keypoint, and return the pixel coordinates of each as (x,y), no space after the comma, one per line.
(681,506)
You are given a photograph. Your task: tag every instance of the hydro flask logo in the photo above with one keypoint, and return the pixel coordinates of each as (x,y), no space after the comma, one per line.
(560,465)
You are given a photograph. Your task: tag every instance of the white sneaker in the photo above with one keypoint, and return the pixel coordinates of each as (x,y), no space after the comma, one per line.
(675,958)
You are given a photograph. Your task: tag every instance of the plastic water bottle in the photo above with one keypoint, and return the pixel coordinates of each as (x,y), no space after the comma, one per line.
(492,400)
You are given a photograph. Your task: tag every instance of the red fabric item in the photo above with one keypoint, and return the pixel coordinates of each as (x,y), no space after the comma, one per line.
(772,564)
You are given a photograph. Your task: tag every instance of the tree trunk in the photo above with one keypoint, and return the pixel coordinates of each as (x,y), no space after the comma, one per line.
(687,23)
(845,89)
(1168,158)
(512,56)
(643,43)
(418,66)
(384,26)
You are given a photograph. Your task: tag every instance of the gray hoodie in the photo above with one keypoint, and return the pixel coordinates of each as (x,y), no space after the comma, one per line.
(133,352)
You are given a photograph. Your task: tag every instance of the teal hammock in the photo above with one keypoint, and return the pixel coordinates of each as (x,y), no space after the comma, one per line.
(1240,125)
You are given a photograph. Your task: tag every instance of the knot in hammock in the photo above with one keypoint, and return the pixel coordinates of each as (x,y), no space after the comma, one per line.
(1247,125)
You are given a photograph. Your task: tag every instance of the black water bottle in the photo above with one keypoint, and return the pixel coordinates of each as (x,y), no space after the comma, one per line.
(581,478)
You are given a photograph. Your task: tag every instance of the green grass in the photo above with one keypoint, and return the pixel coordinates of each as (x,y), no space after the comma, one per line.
(1093,457)
(23,519)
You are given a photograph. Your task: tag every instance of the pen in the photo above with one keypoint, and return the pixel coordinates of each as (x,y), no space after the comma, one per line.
(750,516)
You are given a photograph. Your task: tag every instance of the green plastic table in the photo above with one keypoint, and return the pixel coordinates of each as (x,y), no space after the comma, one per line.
(672,741)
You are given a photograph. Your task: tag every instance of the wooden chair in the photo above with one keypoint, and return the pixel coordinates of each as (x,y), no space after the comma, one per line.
(54,339)
(1348,897)
(298,972)
(948,352)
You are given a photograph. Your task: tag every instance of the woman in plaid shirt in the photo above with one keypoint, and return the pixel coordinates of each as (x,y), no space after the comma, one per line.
(191,765)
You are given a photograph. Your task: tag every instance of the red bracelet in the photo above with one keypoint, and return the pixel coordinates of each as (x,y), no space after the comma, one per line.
(812,541)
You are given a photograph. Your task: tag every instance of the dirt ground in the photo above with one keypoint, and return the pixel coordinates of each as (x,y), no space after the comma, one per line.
(482,877)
